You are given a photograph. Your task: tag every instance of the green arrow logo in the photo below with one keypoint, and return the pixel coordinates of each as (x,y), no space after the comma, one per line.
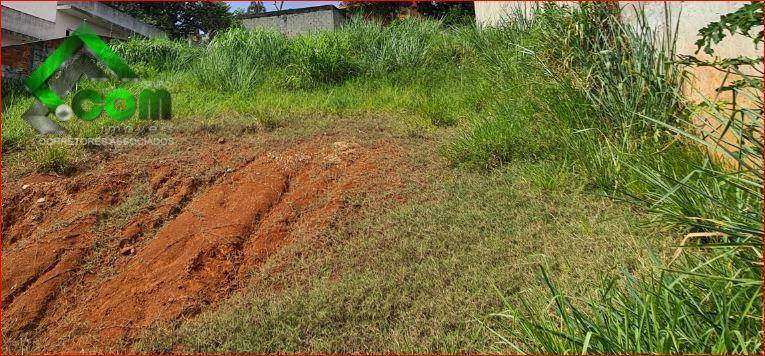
(36,83)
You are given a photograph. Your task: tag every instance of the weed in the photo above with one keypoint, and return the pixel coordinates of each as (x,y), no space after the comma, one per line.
(55,158)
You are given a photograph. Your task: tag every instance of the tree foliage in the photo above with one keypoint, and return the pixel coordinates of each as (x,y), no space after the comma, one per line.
(256,7)
(739,22)
(180,19)
(449,11)
(747,70)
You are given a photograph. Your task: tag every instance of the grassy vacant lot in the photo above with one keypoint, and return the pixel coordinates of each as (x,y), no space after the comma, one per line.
(554,170)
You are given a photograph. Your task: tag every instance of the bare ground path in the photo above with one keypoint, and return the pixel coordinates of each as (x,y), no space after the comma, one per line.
(152,234)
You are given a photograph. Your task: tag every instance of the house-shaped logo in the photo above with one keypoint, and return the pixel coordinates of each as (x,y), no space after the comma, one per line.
(77,56)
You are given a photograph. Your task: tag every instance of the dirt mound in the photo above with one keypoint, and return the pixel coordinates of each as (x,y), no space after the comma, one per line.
(90,260)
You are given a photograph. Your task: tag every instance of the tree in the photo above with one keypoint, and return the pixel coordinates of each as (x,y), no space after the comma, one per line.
(256,7)
(382,10)
(180,19)
(449,11)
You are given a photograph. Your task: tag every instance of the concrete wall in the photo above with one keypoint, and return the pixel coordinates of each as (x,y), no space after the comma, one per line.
(66,22)
(339,18)
(293,24)
(45,10)
(20,26)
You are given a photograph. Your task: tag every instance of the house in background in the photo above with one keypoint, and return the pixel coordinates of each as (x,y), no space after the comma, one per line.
(29,21)
(33,29)
(295,22)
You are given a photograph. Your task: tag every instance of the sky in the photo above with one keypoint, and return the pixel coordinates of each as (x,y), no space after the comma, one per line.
(287,4)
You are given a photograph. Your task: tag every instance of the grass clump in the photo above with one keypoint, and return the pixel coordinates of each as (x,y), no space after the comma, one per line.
(622,68)
(321,59)
(402,45)
(498,140)
(59,159)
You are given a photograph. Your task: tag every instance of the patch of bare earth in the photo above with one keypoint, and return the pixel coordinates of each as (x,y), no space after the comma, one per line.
(154,234)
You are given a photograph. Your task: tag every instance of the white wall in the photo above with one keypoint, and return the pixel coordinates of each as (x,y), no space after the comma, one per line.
(45,10)
(494,13)
(692,17)
(57,22)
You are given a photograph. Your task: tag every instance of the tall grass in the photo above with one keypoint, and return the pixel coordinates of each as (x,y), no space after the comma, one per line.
(708,297)
(241,59)
(623,68)
(238,59)
(626,73)
(158,53)
(407,44)
(322,59)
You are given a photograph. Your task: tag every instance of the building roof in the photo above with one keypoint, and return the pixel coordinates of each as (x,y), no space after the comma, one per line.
(290,11)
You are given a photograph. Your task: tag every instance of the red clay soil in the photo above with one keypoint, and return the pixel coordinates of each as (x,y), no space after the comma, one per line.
(78,276)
